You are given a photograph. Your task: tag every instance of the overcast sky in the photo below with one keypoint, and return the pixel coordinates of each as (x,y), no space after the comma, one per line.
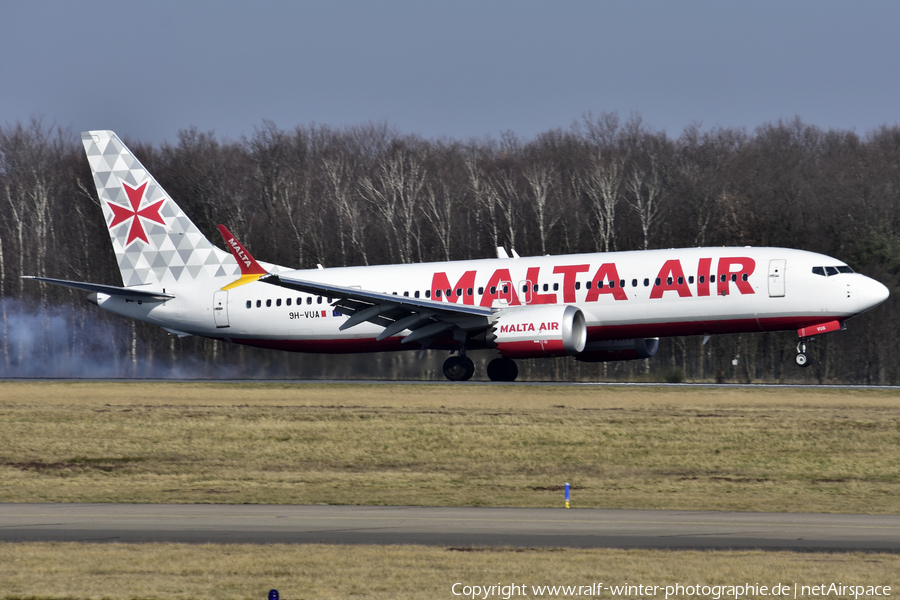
(455,69)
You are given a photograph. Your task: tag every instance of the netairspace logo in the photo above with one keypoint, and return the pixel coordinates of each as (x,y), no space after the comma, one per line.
(678,590)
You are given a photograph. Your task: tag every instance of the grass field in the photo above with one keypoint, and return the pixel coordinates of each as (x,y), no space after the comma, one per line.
(734,449)
(487,445)
(114,571)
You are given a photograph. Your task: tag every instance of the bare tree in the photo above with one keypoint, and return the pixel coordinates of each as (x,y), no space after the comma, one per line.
(338,179)
(394,190)
(542,179)
(645,181)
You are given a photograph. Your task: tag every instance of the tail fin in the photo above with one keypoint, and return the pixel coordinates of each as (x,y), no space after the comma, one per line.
(155,242)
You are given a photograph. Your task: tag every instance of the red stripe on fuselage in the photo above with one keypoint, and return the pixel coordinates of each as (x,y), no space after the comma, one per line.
(710,327)
(595,333)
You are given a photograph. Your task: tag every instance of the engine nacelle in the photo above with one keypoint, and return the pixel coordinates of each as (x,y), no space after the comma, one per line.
(609,350)
(538,331)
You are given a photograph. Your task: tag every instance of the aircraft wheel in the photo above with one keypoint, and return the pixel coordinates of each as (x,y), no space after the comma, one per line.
(502,369)
(802,360)
(458,368)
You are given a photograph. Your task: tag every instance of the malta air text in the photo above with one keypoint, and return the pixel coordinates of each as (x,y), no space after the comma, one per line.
(730,273)
(525,327)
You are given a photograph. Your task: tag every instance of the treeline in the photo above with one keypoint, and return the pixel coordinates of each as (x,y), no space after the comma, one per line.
(369,194)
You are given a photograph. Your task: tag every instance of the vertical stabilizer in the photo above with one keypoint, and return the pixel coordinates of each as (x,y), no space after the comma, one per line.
(154,241)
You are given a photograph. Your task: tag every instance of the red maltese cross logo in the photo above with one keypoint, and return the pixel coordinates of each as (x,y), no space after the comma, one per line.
(122,213)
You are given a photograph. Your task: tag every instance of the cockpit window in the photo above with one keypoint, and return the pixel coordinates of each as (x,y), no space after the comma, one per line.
(829,271)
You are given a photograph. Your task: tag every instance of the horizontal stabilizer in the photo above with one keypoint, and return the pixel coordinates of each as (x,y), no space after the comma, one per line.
(110,290)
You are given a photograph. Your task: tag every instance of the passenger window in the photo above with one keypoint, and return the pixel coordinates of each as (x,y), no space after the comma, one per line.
(258,303)
(468,291)
(622,283)
(534,288)
(525,288)
(309,299)
(722,277)
(646,282)
(437,293)
(668,281)
(268,303)
(249,303)
(278,302)
(577,285)
(744,277)
(829,271)
(702,279)
(319,299)
(600,285)
(546,287)
(493,289)
(481,291)
(634,283)
(658,281)
(505,289)
(449,292)
(288,301)
(734,276)
(299,301)
(416,293)
(612,284)
(405,294)
(691,279)
(555,287)
(459,292)
(587,285)
(428,293)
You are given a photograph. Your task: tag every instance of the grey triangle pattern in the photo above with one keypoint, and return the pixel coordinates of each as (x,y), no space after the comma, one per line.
(153,261)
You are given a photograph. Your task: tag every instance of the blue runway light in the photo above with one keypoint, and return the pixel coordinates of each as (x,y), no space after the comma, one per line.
(567,495)
(273,594)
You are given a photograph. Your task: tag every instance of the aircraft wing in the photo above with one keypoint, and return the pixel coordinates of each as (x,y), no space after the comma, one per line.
(427,319)
(104,289)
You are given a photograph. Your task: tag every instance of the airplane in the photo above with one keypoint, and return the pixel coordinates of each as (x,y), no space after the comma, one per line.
(593,307)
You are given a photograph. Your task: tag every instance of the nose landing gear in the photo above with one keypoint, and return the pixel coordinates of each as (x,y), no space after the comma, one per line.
(802,359)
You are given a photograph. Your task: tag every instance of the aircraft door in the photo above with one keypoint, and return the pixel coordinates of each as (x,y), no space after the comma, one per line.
(776,278)
(220,308)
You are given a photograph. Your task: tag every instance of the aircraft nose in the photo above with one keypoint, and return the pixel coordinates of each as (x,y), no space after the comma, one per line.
(871,294)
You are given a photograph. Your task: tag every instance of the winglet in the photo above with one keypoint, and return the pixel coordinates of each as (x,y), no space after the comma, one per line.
(250,269)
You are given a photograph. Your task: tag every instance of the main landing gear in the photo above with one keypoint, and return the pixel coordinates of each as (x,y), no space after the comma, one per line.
(802,358)
(502,369)
(461,368)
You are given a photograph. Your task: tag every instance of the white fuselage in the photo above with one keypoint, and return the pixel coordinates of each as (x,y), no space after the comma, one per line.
(696,291)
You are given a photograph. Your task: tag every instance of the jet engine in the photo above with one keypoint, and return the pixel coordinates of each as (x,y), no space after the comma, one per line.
(538,331)
(609,350)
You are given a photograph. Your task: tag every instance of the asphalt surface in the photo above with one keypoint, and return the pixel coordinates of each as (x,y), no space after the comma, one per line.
(448,526)
(368,382)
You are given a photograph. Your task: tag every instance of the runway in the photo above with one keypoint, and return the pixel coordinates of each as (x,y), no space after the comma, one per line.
(471,382)
(448,526)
